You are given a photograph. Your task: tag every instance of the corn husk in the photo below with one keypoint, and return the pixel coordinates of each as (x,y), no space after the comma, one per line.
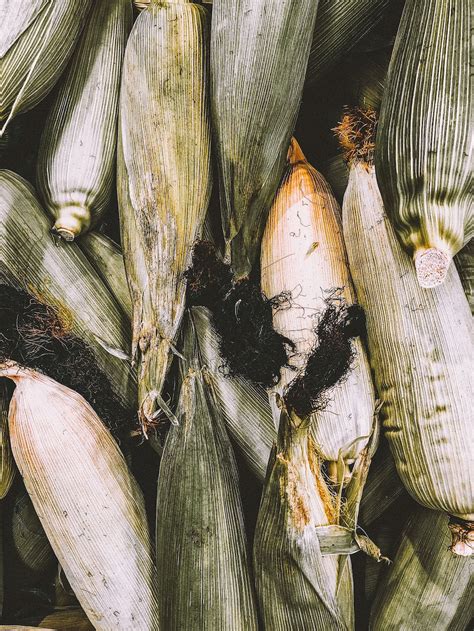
(259,54)
(465,265)
(107,259)
(243,405)
(424,148)
(20,627)
(297,587)
(63,277)
(427,587)
(164,180)
(71,619)
(303,255)
(37,38)
(339,27)
(7,465)
(422,371)
(76,159)
(88,503)
(199,514)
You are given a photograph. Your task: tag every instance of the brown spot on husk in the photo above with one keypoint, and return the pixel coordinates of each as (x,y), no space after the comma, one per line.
(462,534)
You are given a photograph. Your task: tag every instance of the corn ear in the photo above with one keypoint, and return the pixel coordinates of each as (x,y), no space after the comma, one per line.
(107,259)
(259,54)
(7,465)
(199,514)
(63,277)
(244,406)
(76,159)
(297,587)
(303,256)
(424,142)
(339,27)
(87,501)
(37,39)
(426,587)
(465,265)
(164,181)
(422,371)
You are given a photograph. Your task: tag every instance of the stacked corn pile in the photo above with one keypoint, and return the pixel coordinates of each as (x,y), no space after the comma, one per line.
(236,389)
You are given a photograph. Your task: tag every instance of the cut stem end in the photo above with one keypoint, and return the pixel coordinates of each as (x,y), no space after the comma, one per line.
(431,267)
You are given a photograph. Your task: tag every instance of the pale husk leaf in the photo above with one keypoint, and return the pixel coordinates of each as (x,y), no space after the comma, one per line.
(7,465)
(89,504)
(61,275)
(259,54)
(164,181)
(76,160)
(199,514)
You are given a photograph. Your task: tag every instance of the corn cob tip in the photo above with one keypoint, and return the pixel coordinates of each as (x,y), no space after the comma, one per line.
(72,221)
(431,267)
(462,533)
(356,134)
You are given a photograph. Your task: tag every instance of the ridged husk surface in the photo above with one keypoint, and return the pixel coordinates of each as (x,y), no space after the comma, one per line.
(61,276)
(297,587)
(303,256)
(423,371)
(204,580)
(426,587)
(37,38)
(164,179)
(424,142)
(76,160)
(259,54)
(88,503)
(7,465)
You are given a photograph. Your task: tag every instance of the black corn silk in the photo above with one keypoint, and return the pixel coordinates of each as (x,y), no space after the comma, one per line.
(33,335)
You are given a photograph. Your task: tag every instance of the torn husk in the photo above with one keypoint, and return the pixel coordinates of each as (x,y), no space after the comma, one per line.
(422,371)
(76,159)
(424,141)
(199,514)
(61,276)
(297,587)
(87,501)
(7,465)
(38,38)
(258,63)
(164,177)
(427,586)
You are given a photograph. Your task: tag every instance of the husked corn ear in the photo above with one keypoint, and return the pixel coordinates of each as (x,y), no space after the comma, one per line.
(199,514)
(426,587)
(37,38)
(62,277)
(259,54)
(76,160)
(88,502)
(424,142)
(164,176)
(7,466)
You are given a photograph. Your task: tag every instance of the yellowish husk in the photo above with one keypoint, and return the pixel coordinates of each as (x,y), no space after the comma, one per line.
(76,159)
(7,465)
(164,176)
(89,504)
(424,142)
(61,276)
(423,372)
(303,254)
(70,619)
(37,38)
(426,587)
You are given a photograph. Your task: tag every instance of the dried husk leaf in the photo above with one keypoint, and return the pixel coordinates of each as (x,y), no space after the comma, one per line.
(164,179)
(422,371)
(243,406)
(107,259)
(297,587)
(465,265)
(259,54)
(7,465)
(89,504)
(20,627)
(339,27)
(76,159)
(424,141)
(199,514)
(63,277)
(72,619)
(37,38)
(426,587)
(303,256)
